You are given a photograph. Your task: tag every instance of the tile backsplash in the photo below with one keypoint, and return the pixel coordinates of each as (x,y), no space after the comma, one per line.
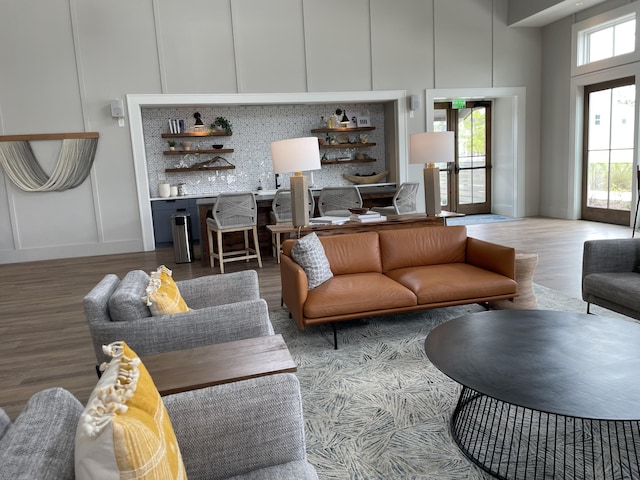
(254,128)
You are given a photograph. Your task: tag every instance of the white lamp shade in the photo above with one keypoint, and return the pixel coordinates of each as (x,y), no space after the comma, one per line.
(431,147)
(295,155)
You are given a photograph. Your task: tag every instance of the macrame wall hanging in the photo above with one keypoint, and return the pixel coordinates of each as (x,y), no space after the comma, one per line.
(75,159)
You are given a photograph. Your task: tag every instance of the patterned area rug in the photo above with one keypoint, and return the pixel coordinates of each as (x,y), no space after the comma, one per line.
(478,219)
(376,408)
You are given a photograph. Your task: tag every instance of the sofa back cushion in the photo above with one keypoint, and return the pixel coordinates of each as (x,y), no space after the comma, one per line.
(40,443)
(126,302)
(413,247)
(353,253)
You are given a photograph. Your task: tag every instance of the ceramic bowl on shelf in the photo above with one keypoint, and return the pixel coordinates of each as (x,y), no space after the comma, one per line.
(217,146)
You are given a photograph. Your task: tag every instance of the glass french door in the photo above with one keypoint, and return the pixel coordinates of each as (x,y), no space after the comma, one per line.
(608,151)
(465,183)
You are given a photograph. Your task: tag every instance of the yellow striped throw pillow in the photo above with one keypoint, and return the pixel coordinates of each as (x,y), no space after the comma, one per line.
(125,431)
(162,295)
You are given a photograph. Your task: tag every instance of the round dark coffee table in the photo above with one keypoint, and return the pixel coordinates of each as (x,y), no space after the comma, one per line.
(545,394)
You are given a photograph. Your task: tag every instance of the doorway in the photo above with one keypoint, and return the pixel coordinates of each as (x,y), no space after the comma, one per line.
(465,183)
(608,146)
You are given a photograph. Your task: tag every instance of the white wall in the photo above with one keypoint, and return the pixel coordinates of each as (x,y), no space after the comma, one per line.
(88,52)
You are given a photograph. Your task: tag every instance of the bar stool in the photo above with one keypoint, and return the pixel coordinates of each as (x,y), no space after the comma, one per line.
(336,201)
(234,212)
(404,201)
(281,215)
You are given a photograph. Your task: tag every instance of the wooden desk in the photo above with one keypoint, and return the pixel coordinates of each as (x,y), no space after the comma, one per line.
(201,367)
(392,222)
(371,197)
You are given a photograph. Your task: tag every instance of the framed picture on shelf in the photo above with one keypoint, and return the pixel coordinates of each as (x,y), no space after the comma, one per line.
(363,121)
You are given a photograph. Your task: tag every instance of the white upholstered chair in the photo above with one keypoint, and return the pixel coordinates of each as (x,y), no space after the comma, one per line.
(281,214)
(336,201)
(404,201)
(234,212)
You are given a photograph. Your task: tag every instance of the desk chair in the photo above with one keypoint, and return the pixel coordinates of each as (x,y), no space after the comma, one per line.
(404,201)
(281,214)
(234,212)
(336,201)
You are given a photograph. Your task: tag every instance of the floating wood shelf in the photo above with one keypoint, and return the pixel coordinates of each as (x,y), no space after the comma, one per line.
(342,129)
(48,136)
(195,134)
(187,152)
(348,145)
(334,162)
(199,169)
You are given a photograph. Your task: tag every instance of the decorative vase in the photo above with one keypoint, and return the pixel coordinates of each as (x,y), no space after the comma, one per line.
(164,190)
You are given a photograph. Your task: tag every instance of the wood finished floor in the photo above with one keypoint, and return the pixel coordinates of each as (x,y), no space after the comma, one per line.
(44,338)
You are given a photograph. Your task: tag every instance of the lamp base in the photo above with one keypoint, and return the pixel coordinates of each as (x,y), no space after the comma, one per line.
(299,201)
(432,191)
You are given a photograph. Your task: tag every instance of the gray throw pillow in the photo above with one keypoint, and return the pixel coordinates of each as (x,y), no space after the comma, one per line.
(126,302)
(308,252)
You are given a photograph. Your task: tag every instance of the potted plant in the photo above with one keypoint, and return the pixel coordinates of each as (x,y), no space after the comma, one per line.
(172,145)
(222,124)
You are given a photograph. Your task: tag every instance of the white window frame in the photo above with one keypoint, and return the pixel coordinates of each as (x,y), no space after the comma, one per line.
(581,30)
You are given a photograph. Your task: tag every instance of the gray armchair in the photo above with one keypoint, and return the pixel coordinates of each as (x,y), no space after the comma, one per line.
(610,275)
(225,308)
(249,430)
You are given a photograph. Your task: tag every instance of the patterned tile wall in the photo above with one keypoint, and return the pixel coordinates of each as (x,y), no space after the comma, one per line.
(254,128)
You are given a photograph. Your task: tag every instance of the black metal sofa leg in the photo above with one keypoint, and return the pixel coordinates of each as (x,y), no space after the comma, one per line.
(335,335)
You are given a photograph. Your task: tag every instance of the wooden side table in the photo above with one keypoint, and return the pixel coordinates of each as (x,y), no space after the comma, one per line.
(526,300)
(200,367)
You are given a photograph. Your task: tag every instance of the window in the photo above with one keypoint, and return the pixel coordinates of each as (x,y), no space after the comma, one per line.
(606,40)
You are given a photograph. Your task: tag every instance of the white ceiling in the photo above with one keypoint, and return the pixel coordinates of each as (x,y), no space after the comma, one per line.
(552,13)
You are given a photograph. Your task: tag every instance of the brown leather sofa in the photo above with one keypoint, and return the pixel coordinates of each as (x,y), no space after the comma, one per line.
(403,270)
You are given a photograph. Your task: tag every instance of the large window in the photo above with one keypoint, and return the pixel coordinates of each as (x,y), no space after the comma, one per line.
(607,40)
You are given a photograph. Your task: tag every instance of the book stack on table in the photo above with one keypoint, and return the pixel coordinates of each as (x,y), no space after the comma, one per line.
(370,216)
(328,220)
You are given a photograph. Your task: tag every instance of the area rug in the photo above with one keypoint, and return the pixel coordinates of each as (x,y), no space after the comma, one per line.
(376,408)
(478,219)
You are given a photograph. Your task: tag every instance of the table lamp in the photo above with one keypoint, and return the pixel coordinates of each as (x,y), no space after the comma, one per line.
(429,148)
(297,155)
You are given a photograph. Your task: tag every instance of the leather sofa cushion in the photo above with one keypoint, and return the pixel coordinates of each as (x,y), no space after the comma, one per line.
(412,247)
(447,283)
(353,253)
(356,293)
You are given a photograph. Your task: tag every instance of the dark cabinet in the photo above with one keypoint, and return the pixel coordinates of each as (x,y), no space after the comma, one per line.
(162,210)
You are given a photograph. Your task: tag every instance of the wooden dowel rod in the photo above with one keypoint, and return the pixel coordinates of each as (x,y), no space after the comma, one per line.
(47,136)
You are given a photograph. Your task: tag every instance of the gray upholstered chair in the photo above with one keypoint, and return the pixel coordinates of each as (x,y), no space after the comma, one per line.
(234,212)
(225,308)
(336,201)
(404,201)
(611,275)
(281,214)
(253,429)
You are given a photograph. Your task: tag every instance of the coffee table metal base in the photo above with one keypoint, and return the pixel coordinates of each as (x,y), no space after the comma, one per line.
(512,442)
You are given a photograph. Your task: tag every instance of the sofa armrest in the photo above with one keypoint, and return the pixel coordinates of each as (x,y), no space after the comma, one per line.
(196,328)
(211,290)
(491,256)
(295,287)
(610,256)
(239,427)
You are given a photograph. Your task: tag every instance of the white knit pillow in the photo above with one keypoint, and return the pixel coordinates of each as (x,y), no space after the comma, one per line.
(308,252)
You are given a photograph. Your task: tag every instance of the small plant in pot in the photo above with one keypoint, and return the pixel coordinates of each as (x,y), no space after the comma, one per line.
(222,124)
(172,145)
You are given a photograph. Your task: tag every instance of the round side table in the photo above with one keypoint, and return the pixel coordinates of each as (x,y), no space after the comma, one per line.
(526,300)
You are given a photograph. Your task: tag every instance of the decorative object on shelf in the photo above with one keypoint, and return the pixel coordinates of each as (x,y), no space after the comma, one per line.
(364,138)
(182,189)
(176,126)
(343,138)
(172,145)
(331,123)
(344,120)
(217,146)
(75,159)
(186,145)
(297,155)
(220,161)
(366,179)
(198,126)
(222,124)
(174,190)
(429,148)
